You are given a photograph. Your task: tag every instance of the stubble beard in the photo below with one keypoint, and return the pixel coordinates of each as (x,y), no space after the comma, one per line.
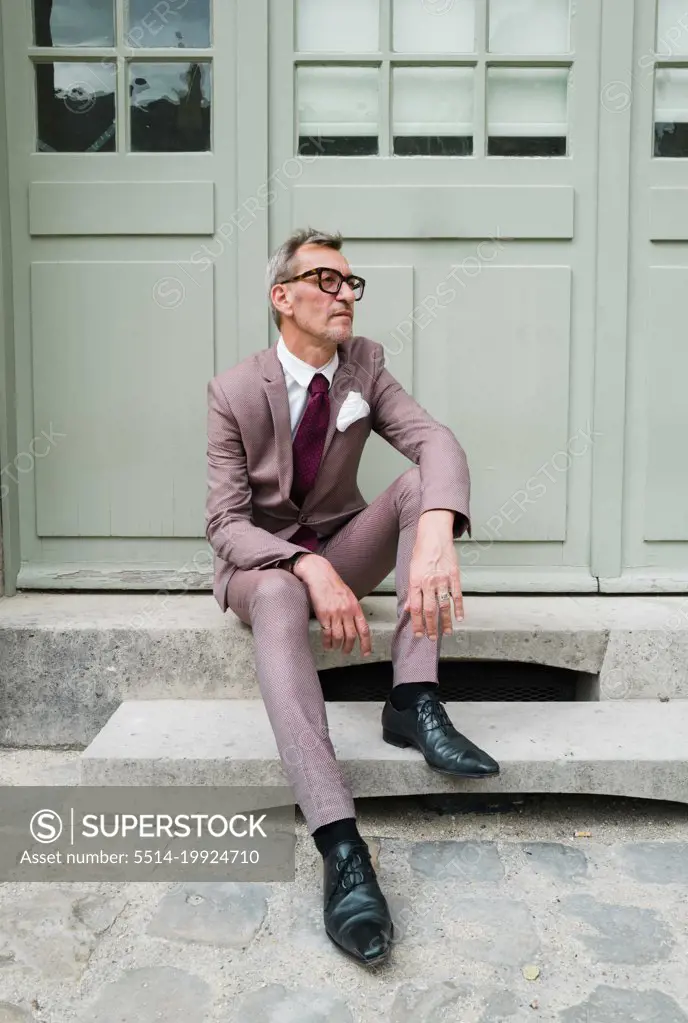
(338,331)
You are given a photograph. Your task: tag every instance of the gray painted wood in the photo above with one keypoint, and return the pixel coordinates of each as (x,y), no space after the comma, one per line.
(9,510)
(253,179)
(568,317)
(497,369)
(121,207)
(158,528)
(437,211)
(668,214)
(123,395)
(666,490)
(654,553)
(494,219)
(611,313)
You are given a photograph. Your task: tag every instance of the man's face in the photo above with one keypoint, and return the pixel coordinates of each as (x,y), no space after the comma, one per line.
(325,316)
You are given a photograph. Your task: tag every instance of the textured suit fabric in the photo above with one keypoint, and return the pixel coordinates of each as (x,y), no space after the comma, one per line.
(250,515)
(277,606)
(252,521)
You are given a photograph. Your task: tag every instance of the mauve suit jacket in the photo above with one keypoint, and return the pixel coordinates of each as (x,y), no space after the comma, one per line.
(249,513)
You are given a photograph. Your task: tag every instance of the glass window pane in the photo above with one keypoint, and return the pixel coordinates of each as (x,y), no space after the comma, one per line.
(433,26)
(671,112)
(75,107)
(172,23)
(527,111)
(323,25)
(432,111)
(338,110)
(529,26)
(74,22)
(672,27)
(170,107)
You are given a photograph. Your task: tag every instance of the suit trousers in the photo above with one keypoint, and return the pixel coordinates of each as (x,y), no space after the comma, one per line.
(277,606)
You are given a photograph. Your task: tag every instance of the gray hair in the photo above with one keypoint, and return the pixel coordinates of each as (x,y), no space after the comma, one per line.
(280,266)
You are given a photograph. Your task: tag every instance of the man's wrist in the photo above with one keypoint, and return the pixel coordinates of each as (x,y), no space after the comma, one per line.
(298,564)
(290,563)
(436,522)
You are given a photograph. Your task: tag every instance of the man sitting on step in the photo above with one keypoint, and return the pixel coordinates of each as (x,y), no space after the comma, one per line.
(293,538)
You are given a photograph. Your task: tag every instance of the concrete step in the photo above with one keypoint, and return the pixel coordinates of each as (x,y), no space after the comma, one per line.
(68,660)
(629,748)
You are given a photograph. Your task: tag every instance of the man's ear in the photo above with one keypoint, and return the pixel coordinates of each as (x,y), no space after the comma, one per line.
(281,300)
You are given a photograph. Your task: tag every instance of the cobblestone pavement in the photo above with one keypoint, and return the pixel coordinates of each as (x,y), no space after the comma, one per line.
(500,918)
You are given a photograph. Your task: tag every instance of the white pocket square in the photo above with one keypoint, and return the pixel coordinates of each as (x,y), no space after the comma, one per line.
(353,407)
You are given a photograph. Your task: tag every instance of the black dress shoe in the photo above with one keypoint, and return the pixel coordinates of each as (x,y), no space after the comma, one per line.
(356,913)
(427,726)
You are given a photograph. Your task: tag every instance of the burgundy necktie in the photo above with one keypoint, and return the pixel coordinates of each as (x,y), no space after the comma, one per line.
(307,450)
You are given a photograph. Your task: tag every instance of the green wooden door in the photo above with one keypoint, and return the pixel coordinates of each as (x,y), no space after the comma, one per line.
(491,166)
(649,548)
(124,133)
(454,144)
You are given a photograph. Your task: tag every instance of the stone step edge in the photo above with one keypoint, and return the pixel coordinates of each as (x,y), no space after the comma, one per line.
(633,748)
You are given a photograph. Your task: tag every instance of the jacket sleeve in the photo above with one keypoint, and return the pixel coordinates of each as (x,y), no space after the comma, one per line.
(229,529)
(408,427)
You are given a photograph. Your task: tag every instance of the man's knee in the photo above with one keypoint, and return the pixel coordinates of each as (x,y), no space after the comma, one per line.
(282,592)
(410,484)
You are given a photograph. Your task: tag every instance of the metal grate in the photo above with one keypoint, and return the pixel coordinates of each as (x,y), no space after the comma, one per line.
(459,680)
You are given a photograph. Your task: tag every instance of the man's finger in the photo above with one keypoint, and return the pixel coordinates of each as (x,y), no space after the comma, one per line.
(445,616)
(457,596)
(350,633)
(363,630)
(337,633)
(430,610)
(444,599)
(326,632)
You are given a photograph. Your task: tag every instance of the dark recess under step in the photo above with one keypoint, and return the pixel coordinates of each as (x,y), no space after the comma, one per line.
(461,680)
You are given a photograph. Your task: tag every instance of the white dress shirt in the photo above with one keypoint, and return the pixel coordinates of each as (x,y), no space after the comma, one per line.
(298,375)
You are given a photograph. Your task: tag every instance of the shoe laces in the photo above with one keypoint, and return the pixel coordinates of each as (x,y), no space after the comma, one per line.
(431,714)
(353,869)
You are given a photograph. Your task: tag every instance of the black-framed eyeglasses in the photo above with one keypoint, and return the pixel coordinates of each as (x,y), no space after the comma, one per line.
(330,281)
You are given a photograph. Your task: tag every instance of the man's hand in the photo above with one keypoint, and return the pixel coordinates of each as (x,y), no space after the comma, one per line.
(336,607)
(434,571)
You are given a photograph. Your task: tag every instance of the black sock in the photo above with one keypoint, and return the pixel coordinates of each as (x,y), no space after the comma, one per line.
(404,695)
(329,835)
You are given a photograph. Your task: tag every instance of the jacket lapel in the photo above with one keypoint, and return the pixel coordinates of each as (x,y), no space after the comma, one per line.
(276,390)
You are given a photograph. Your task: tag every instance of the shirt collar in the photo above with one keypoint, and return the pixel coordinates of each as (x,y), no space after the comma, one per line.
(301,371)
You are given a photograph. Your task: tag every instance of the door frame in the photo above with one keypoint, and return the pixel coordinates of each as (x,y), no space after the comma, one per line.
(612,283)
(9,499)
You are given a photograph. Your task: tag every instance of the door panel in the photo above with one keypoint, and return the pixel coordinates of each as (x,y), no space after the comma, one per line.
(135,380)
(520,465)
(438,211)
